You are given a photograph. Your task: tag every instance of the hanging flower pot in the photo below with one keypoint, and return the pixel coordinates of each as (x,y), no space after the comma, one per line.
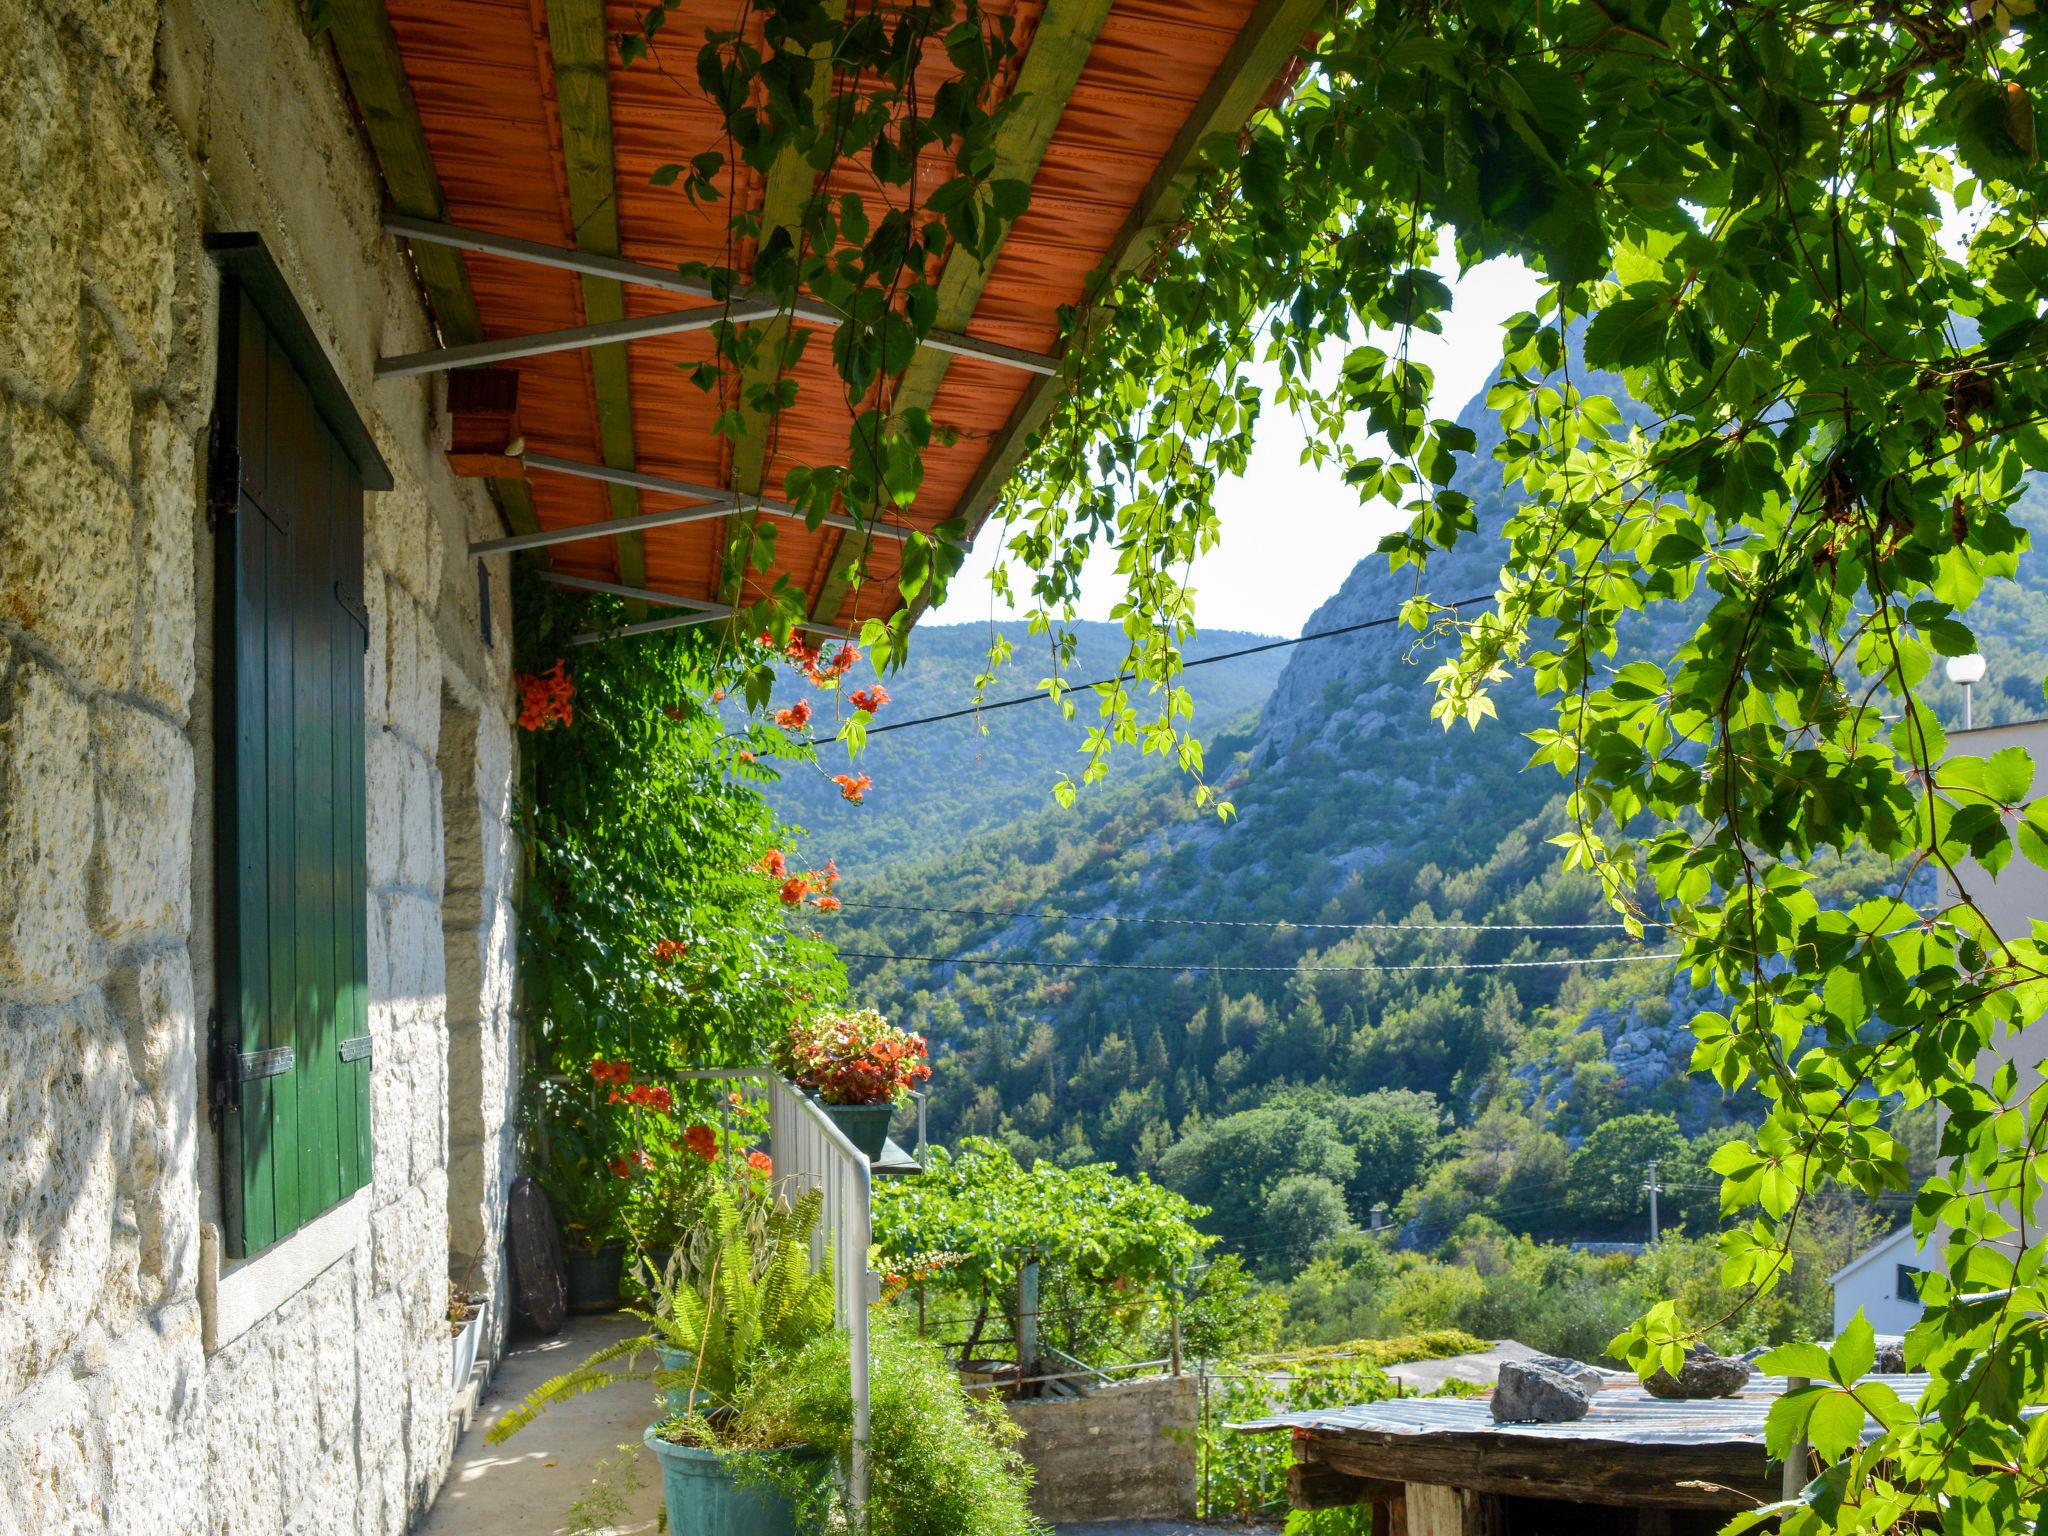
(858,1066)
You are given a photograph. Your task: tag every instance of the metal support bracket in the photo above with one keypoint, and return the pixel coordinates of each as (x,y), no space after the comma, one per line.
(748,303)
(711,502)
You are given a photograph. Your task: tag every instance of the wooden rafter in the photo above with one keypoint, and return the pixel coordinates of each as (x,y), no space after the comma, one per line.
(1052,65)
(369,57)
(790,184)
(581,57)
(1271,37)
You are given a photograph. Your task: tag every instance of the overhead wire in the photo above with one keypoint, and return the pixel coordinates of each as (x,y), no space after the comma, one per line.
(1186,666)
(1234,922)
(1119,965)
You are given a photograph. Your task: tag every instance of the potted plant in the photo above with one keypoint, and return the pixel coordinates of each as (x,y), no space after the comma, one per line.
(739,1298)
(858,1066)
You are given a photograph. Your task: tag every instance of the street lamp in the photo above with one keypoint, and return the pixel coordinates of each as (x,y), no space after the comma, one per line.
(1966,672)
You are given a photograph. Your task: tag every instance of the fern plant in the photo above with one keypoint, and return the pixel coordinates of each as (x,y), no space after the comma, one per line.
(740,1291)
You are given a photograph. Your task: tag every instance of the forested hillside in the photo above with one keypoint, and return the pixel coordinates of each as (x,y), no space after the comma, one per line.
(1342,998)
(937,786)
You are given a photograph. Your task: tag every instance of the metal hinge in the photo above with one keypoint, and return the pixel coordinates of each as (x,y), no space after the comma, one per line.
(356,1048)
(223,472)
(253,1066)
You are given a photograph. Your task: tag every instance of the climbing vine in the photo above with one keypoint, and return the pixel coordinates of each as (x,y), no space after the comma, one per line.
(1808,236)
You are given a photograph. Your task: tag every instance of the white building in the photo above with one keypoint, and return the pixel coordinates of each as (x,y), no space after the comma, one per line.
(1880,1283)
(1880,1280)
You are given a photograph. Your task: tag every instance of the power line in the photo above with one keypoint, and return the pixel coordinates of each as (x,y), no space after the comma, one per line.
(1226,922)
(1186,666)
(1113,965)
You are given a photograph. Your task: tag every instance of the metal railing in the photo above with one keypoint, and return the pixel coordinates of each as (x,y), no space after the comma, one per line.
(811,1152)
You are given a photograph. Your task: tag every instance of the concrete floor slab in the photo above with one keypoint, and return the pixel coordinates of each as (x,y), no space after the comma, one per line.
(526,1486)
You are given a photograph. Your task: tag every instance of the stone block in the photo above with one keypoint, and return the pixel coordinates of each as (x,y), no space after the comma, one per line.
(109,417)
(67,558)
(153,998)
(406,536)
(419,826)
(52,1448)
(376,654)
(429,1092)
(384,771)
(153,1419)
(142,859)
(380,1369)
(390,1138)
(244,1449)
(65,1096)
(46,836)
(123,32)
(42,203)
(168,492)
(405,1239)
(418,966)
(132,258)
(413,660)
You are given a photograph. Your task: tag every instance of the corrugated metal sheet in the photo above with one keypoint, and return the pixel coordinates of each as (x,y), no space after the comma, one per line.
(1619,1416)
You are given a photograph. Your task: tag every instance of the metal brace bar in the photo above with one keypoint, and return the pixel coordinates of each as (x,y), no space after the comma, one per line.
(714,503)
(709,610)
(663,486)
(356,1048)
(250,1066)
(608,529)
(701,612)
(633,328)
(642,275)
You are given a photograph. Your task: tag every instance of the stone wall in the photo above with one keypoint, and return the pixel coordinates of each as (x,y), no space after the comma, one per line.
(1126,1452)
(129,1399)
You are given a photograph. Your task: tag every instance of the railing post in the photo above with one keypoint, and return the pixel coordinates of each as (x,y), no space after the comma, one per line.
(1027,1319)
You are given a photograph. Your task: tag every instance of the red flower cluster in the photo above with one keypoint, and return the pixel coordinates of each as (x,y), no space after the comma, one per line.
(827,903)
(852,786)
(546,701)
(746,756)
(625,1167)
(814,883)
(868,700)
(760,1162)
(703,1141)
(796,717)
(804,655)
(611,1071)
(670,949)
(645,1096)
(853,1058)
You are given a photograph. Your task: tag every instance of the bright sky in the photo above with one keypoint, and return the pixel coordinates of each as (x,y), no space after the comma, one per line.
(1254,578)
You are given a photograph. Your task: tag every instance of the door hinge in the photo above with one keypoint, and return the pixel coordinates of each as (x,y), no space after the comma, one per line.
(220,1084)
(223,472)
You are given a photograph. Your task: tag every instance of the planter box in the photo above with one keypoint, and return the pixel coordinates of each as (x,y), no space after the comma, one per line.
(462,1349)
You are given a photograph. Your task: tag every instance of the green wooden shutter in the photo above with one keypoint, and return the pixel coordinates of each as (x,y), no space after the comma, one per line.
(293,1059)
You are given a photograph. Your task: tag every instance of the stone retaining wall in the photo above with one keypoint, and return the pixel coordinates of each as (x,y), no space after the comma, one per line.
(128,129)
(1126,1452)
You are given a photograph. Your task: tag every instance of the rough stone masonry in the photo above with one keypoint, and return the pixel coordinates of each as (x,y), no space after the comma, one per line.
(128,130)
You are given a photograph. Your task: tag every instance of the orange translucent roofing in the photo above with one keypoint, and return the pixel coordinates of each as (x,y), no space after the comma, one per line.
(482,76)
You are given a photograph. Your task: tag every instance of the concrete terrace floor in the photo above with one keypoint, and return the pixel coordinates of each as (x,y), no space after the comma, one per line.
(526,1486)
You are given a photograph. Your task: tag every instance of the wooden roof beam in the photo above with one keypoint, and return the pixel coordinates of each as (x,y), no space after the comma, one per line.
(790,186)
(1059,50)
(581,55)
(368,52)
(1272,35)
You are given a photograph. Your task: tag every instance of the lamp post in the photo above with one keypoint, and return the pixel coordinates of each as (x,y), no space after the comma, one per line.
(1966,672)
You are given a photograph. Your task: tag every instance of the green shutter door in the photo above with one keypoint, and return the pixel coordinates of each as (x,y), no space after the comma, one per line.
(294,951)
